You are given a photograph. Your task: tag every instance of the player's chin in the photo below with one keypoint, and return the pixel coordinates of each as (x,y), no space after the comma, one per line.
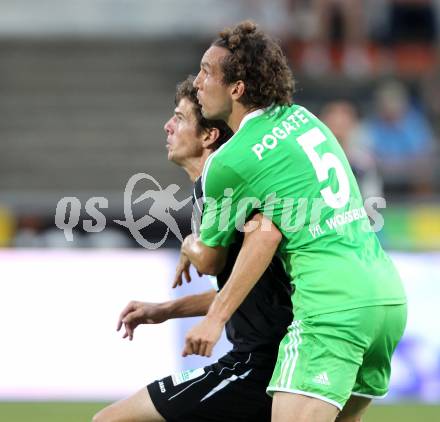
(174,158)
(171,155)
(205,112)
(211,113)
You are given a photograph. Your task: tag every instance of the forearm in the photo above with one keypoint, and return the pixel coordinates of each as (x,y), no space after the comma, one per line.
(255,256)
(205,259)
(190,306)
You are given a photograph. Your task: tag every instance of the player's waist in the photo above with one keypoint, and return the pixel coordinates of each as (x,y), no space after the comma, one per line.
(305,310)
(256,343)
(255,357)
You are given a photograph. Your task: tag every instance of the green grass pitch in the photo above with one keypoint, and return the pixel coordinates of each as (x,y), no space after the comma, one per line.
(83,412)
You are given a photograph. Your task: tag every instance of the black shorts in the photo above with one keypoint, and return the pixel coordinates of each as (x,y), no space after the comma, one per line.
(231,390)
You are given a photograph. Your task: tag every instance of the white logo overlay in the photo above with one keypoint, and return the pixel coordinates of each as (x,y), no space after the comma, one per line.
(314,215)
(163,201)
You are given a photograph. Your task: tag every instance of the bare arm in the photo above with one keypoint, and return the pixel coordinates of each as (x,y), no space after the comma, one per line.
(192,305)
(207,260)
(259,247)
(256,254)
(136,313)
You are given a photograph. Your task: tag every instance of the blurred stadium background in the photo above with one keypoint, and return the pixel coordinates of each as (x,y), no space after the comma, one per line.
(85,88)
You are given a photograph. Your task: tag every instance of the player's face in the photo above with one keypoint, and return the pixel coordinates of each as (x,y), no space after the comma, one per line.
(212,93)
(183,142)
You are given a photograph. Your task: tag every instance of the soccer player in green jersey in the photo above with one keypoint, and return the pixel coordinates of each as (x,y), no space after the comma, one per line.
(349,303)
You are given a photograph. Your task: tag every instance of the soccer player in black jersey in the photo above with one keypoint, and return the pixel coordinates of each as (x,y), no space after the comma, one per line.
(234,388)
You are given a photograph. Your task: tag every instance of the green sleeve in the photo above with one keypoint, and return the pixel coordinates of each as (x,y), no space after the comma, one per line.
(226,204)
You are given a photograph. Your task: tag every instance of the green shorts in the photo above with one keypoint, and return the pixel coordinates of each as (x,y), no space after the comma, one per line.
(332,356)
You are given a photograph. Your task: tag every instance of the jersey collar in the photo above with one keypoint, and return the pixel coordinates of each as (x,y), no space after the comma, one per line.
(250,116)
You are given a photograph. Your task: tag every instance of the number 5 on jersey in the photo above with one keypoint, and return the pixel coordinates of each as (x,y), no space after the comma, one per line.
(322,164)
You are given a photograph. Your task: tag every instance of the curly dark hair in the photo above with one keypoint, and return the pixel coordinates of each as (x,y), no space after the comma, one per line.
(186,90)
(258,61)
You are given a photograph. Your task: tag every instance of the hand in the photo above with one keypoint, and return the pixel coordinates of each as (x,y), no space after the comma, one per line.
(254,223)
(182,268)
(202,338)
(136,313)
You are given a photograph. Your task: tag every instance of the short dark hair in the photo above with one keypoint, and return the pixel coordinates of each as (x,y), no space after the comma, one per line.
(258,61)
(187,90)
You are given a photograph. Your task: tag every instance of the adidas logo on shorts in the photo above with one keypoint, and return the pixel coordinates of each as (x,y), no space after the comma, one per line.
(322,378)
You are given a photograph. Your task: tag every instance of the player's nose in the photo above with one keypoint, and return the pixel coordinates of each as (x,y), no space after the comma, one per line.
(196,83)
(168,127)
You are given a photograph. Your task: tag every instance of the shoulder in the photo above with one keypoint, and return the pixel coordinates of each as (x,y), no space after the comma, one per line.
(218,174)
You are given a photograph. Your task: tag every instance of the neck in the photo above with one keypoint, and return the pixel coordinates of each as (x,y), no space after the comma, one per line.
(238,114)
(194,166)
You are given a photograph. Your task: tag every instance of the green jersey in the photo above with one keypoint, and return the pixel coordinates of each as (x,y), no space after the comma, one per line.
(284,162)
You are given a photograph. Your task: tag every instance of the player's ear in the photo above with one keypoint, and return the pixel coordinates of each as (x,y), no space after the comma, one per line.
(237,90)
(211,136)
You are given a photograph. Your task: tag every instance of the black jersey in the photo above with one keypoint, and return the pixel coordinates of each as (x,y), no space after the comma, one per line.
(261,321)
